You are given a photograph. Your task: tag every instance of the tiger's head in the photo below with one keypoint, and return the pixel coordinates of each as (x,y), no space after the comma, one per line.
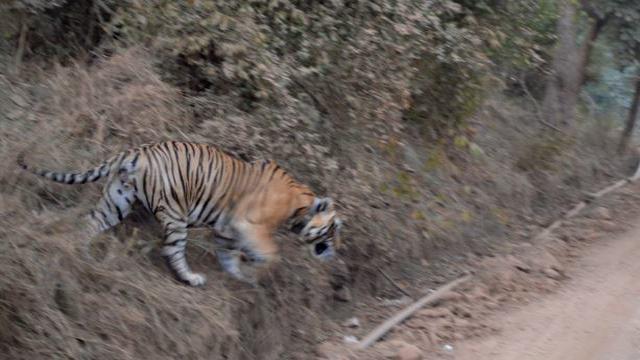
(320,229)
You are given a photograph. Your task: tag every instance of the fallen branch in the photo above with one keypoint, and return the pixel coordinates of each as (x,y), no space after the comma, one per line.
(383,328)
(22,41)
(609,189)
(546,232)
(583,204)
(576,210)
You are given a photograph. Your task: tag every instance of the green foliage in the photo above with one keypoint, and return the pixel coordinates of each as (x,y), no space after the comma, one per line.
(518,34)
(404,188)
(514,36)
(620,18)
(617,59)
(436,159)
(609,87)
(445,95)
(255,47)
(625,30)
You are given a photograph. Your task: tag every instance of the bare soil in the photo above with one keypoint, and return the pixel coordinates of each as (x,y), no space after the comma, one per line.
(595,315)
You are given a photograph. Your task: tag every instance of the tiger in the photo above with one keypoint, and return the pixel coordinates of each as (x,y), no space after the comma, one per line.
(191,185)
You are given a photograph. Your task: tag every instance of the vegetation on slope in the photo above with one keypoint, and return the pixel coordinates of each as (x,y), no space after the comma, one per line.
(426,120)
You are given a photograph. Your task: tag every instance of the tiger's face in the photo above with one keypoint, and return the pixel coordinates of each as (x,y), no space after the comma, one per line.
(320,230)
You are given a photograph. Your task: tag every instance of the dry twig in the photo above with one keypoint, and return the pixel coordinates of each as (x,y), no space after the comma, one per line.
(383,328)
(386,276)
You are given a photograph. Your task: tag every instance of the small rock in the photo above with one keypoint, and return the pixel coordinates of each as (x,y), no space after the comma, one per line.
(542,260)
(352,323)
(437,312)
(409,169)
(588,235)
(607,225)
(329,351)
(602,213)
(450,297)
(476,151)
(18,100)
(518,264)
(65,301)
(447,348)
(342,294)
(15,114)
(141,19)
(405,351)
(478,293)
(462,311)
(553,274)
(350,339)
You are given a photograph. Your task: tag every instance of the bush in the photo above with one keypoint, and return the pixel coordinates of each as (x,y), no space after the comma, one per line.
(445,95)
(254,48)
(59,28)
(541,153)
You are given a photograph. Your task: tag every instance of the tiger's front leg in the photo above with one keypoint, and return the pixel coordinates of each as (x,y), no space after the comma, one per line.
(229,261)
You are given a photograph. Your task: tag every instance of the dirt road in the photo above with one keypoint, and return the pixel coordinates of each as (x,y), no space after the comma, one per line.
(595,316)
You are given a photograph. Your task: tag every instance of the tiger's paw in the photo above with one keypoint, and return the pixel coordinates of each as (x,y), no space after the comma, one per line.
(250,280)
(194,279)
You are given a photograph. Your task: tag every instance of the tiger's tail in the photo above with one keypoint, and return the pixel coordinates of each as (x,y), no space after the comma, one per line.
(92,175)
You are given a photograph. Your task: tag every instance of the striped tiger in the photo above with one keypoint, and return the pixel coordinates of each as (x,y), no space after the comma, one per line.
(196,185)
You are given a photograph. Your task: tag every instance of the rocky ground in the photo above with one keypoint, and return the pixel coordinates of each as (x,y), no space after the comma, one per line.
(565,296)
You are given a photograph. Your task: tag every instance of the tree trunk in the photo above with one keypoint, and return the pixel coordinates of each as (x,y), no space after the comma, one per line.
(631,120)
(587,48)
(561,93)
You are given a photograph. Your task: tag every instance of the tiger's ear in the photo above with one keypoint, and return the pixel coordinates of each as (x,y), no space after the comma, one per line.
(320,205)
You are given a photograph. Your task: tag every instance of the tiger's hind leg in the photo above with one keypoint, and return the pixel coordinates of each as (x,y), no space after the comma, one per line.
(115,204)
(173,250)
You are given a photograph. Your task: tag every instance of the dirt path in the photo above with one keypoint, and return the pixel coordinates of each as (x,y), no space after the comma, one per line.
(596,314)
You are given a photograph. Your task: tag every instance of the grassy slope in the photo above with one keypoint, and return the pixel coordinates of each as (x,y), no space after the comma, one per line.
(414,210)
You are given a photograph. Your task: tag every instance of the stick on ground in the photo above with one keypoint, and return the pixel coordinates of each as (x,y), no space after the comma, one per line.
(383,328)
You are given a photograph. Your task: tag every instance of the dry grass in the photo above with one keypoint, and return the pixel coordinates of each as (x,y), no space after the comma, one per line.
(54,304)
(124,305)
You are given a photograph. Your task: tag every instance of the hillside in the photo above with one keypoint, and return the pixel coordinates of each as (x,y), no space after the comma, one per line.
(422,119)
